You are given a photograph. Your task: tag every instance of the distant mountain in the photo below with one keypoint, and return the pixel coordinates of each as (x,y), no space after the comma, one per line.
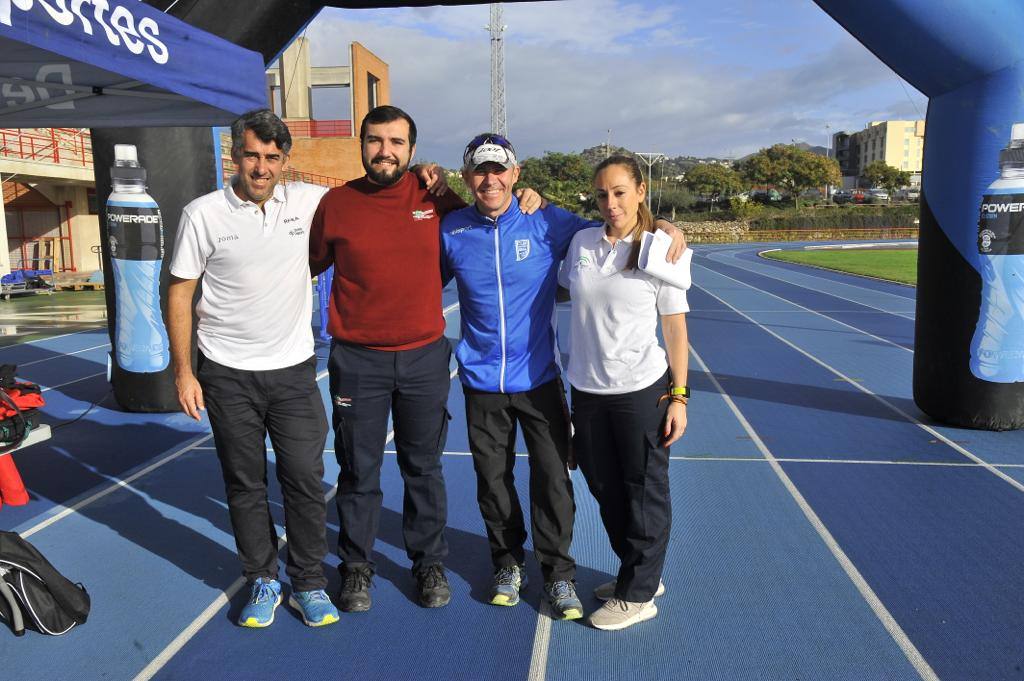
(670,167)
(820,151)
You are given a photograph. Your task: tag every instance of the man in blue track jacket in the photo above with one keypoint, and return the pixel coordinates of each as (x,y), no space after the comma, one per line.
(505,264)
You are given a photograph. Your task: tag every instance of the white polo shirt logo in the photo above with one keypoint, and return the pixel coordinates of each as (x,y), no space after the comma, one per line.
(522,249)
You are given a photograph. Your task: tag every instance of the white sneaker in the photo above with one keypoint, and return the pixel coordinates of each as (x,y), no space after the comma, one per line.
(616,614)
(606,591)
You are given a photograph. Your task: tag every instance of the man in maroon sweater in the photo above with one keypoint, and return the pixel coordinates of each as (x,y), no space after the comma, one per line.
(389,355)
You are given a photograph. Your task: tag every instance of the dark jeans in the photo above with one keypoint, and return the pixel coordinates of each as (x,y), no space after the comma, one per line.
(412,386)
(491,419)
(244,406)
(617,442)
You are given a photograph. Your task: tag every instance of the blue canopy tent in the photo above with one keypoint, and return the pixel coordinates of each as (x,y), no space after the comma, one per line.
(134,75)
(118,64)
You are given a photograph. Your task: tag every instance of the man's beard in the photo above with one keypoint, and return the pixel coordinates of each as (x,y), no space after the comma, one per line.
(382,177)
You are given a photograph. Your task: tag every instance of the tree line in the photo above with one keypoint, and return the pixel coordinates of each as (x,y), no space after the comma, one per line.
(565,179)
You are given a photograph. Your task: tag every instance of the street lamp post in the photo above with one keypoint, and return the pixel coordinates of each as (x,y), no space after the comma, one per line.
(828,154)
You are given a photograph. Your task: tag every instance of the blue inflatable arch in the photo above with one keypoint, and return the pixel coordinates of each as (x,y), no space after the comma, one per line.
(965,56)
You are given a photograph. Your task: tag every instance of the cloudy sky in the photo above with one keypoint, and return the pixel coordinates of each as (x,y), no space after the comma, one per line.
(702,77)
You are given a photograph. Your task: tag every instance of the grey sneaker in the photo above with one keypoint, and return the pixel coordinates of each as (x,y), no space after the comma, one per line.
(507,583)
(616,614)
(606,591)
(564,602)
(355,588)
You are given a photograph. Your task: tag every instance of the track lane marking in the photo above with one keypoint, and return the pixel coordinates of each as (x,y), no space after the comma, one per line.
(864,462)
(194,627)
(911,652)
(798,305)
(63,354)
(40,340)
(923,426)
(739,264)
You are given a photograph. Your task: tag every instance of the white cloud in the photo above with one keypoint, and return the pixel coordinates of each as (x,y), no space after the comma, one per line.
(659,80)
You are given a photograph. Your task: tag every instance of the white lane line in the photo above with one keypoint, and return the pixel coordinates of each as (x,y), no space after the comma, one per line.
(519,455)
(68,510)
(77,380)
(867,593)
(744,266)
(541,644)
(49,338)
(806,309)
(179,642)
(865,462)
(63,354)
(192,629)
(923,426)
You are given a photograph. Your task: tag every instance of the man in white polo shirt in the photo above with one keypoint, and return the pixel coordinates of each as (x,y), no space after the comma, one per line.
(256,366)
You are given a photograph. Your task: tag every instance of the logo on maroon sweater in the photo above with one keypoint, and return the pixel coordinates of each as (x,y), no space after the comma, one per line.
(423,214)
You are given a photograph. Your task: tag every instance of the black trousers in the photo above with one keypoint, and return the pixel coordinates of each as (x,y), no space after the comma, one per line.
(412,386)
(245,406)
(491,419)
(617,442)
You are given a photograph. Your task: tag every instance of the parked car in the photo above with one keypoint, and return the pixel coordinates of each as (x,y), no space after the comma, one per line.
(842,196)
(858,195)
(763,196)
(908,194)
(876,196)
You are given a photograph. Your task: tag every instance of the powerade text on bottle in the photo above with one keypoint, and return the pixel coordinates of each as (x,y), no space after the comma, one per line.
(997,349)
(135,231)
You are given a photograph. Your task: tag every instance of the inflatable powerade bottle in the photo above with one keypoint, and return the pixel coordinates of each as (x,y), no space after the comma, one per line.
(135,231)
(997,349)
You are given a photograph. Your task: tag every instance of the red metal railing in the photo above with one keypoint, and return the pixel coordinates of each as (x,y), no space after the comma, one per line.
(61,146)
(305,128)
(290,175)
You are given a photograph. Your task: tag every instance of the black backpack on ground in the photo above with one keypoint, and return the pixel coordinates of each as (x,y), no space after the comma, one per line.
(42,597)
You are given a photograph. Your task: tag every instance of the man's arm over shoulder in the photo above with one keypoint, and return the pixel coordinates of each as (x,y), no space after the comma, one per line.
(448,203)
(450,221)
(321,253)
(564,225)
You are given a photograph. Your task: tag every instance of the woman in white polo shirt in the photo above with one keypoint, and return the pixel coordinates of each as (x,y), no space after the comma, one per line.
(628,393)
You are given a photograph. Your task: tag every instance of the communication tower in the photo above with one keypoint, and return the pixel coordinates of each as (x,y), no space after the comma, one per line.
(499,122)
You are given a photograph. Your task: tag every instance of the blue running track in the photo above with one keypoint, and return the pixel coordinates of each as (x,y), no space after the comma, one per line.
(824,528)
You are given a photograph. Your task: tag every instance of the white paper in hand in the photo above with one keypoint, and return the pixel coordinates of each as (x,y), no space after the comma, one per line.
(653,249)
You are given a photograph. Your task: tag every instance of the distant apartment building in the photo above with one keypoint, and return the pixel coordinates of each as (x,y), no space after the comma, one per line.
(328,147)
(899,143)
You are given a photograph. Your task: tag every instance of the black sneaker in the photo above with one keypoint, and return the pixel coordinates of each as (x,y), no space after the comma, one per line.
(355,588)
(433,586)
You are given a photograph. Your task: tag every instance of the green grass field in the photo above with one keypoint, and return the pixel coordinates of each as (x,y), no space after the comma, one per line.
(894,265)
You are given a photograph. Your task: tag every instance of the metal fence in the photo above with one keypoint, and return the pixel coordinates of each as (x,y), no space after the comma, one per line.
(305,128)
(775,235)
(60,146)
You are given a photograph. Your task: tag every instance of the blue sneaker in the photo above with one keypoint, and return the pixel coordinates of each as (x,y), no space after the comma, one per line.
(507,583)
(315,607)
(564,601)
(263,601)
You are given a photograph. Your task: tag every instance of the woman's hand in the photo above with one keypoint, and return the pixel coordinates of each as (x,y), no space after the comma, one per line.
(675,423)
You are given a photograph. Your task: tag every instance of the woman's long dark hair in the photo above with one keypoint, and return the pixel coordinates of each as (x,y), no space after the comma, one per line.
(644,218)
